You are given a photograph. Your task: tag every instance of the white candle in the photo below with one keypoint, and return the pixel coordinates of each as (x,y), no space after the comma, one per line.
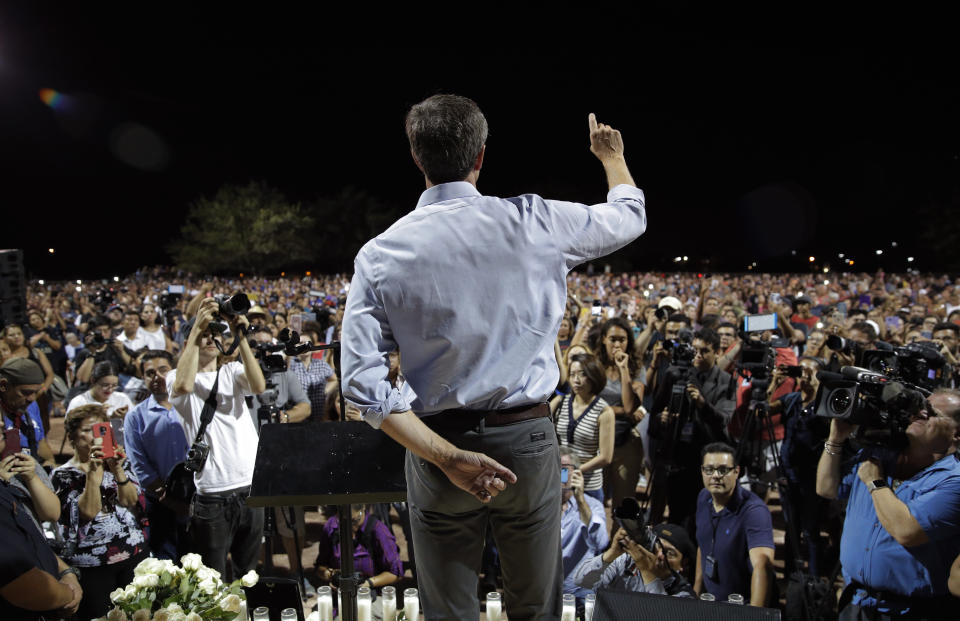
(493,610)
(325,606)
(588,610)
(363,609)
(569,613)
(389,609)
(411,607)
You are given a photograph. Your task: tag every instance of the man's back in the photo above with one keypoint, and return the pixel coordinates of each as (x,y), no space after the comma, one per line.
(474,289)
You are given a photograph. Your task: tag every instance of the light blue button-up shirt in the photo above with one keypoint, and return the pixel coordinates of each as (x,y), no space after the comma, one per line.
(155,440)
(471,289)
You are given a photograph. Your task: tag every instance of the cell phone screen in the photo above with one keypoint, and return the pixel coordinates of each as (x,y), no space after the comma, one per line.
(564,475)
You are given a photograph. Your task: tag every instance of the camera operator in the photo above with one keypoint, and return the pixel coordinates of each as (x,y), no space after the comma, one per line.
(681,430)
(583,526)
(283,401)
(902,527)
(100,346)
(290,398)
(628,566)
(221,521)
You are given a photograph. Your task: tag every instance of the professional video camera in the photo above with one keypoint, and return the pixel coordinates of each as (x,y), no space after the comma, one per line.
(169,302)
(919,363)
(272,364)
(102,299)
(758,357)
(882,406)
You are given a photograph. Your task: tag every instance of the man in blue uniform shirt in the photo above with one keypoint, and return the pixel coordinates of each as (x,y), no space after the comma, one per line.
(472,290)
(902,528)
(734,532)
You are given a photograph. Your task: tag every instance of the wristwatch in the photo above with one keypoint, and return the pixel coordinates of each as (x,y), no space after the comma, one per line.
(875,485)
(69,570)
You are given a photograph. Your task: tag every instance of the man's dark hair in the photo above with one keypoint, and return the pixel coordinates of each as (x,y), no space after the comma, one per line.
(446,133)
(709,337)
(727,324)
(679,317)
(593,370)
(857,311)
(153,354)
(710,321)
(132,311)
(867,329)
(719,447)
(820,362)
(946,325)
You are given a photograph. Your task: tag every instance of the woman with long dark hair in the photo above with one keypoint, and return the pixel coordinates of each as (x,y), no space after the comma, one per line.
(623,392)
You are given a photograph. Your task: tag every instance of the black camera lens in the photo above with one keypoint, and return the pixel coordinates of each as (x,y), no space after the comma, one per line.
(840,402)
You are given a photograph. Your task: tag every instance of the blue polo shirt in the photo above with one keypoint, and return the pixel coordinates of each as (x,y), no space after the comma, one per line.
(728,536)
(872,557)
(155,441)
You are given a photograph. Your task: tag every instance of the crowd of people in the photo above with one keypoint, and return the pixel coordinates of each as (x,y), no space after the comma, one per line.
(659,400)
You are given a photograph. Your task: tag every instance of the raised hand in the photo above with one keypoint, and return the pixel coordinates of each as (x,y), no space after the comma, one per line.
(605,142)
(477,474)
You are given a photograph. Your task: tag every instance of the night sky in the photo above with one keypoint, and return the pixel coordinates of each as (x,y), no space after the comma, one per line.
(750,138)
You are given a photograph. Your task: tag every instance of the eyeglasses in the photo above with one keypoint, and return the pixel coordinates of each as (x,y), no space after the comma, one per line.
(108,386)
(721,470)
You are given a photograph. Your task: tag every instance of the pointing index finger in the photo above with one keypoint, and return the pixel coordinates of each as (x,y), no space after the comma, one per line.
(592,121)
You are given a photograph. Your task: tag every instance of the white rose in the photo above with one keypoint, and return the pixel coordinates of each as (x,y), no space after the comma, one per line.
(177,616)
(208,586)
(161,615)
(117,595)
(191,561)
(130,592)
(174,607)
(148,566)
(116,614)
(249,579)
(194,617)
(146,581)
(142,615)
(231,603)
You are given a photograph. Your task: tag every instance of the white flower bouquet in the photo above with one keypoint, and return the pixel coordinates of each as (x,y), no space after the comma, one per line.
(162,591)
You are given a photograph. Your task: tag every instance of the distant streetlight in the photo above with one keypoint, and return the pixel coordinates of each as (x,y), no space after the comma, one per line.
(79,283)
(40,281)
(685,258)
(840,255)
(812,259)
(50,250)
(909,259)
(879,252)
(116,279)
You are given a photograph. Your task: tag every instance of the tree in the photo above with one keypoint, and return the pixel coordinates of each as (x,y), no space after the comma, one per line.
(251,228)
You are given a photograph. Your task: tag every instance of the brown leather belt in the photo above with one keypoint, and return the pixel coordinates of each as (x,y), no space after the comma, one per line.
(465,420)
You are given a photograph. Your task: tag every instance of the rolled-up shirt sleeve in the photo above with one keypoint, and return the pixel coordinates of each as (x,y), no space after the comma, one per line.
(366,341)
(586,232)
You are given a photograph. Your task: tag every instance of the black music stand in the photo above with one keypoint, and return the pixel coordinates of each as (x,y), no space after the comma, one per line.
(336,463)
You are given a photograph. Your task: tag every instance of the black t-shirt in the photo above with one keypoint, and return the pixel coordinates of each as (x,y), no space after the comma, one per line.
(24,548)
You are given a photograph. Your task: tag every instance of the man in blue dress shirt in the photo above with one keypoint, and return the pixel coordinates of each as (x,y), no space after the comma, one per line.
(902,528)
(155,443)
(472,290)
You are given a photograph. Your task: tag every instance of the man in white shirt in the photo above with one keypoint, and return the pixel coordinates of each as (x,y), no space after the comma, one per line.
(221,521)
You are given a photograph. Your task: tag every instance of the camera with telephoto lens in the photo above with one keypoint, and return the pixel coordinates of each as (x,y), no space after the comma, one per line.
(228,306)
(882,406)
(196,456)
(629,517)
(846,347)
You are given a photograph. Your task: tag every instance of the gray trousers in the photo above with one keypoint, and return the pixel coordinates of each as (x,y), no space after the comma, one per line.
(449,526)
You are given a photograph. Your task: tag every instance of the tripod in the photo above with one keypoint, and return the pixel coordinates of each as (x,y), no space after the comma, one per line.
(750,453)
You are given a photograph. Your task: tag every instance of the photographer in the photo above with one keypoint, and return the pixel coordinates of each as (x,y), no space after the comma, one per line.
(686,423)
(100,346)
(583,526)
(221,521)
(902,528)
(628,566)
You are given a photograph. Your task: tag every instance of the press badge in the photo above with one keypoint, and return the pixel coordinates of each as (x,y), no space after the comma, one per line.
(710,568)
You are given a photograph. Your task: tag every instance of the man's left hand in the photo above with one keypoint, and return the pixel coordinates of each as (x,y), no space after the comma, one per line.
(576,483)
(870,471)
(477,474)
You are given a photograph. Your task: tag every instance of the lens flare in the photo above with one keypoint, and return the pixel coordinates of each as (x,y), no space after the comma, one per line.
(52,98)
